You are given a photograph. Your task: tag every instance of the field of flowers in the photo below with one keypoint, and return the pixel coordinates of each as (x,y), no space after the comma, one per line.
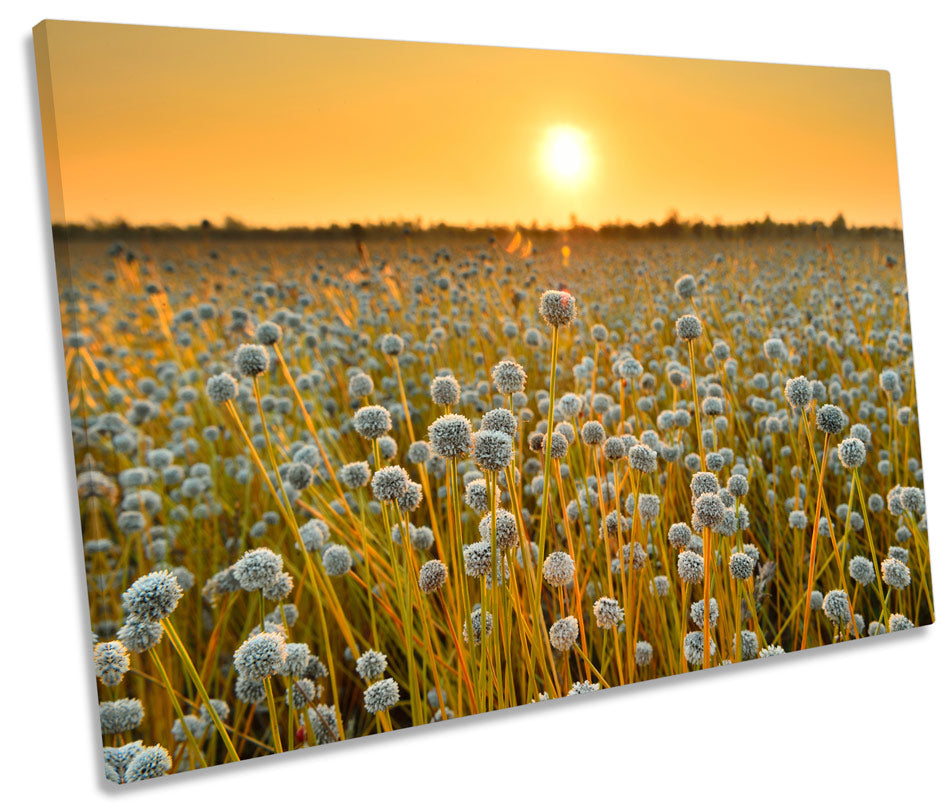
(327,493)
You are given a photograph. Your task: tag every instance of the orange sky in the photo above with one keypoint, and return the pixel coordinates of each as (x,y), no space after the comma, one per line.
(175,125)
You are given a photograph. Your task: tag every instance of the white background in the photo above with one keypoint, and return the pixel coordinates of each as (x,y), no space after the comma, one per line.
(864,724)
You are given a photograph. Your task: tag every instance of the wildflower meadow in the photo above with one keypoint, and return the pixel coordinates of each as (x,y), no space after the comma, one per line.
(331,487)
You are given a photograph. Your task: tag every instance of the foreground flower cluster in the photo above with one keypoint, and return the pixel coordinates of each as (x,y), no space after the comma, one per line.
(322,499)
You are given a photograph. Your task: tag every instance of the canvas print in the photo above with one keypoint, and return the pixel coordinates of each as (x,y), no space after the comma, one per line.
(414,381)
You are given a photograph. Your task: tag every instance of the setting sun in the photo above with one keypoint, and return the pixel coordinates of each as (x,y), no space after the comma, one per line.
(566,154)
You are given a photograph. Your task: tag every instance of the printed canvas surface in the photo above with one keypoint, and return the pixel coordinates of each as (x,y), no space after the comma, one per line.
(414,381)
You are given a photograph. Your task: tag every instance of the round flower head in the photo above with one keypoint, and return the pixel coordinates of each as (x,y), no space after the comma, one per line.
(422,538)
(391,344)
(709,510)
(195,725)
(837,607)
(649,507)
(660,585)
(302,693)
(492,450)
(600,403)
(476,625)
(797,520)
(445,390)
(476,496)
(150,763)
(643,653)
(688,328)
(506,530)
(337,560)
(432,576)
(738,485)
(774,349)
(500,420)
(585,687)
(140,635)
(314,534)
(120,716)
(355,474)
(749,643)
(381,696)
(250,691)
(251,360)
(296,659)
(712,407)
(912,499)
(267,333)
(599,333)
(679,535)
(629,369)
(740,566)
(419,452)
(861,569)
(902,554)
(570,405)
(894,502)
(257,569)
(899,623)
(593,433)
(558,569)
(451,436)
(563,633)
(370,665)
(300,475)
(642,458)
(323,722)
(689,566)
(509,377)
(696,613)
(261,656)
(830,419)
(889,380)
(221,388)
(390,483)
(119,758)
(411,499)
(704,482)
(360,386)
(686,286)
(281,587)
(610,526)
(895,573)
(852,452)
(372,422)
(153,596)
(477,558)
(614,449)
(608,613)
(557,307)
(693,647)
(558,445)
(112,661)
(798,392)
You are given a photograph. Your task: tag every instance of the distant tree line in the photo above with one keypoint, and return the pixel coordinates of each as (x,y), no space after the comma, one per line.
(670,228)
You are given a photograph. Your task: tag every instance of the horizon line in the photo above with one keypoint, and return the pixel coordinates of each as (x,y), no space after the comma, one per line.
(233,223)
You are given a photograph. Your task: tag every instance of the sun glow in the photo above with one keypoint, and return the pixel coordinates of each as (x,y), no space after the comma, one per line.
(566,154)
